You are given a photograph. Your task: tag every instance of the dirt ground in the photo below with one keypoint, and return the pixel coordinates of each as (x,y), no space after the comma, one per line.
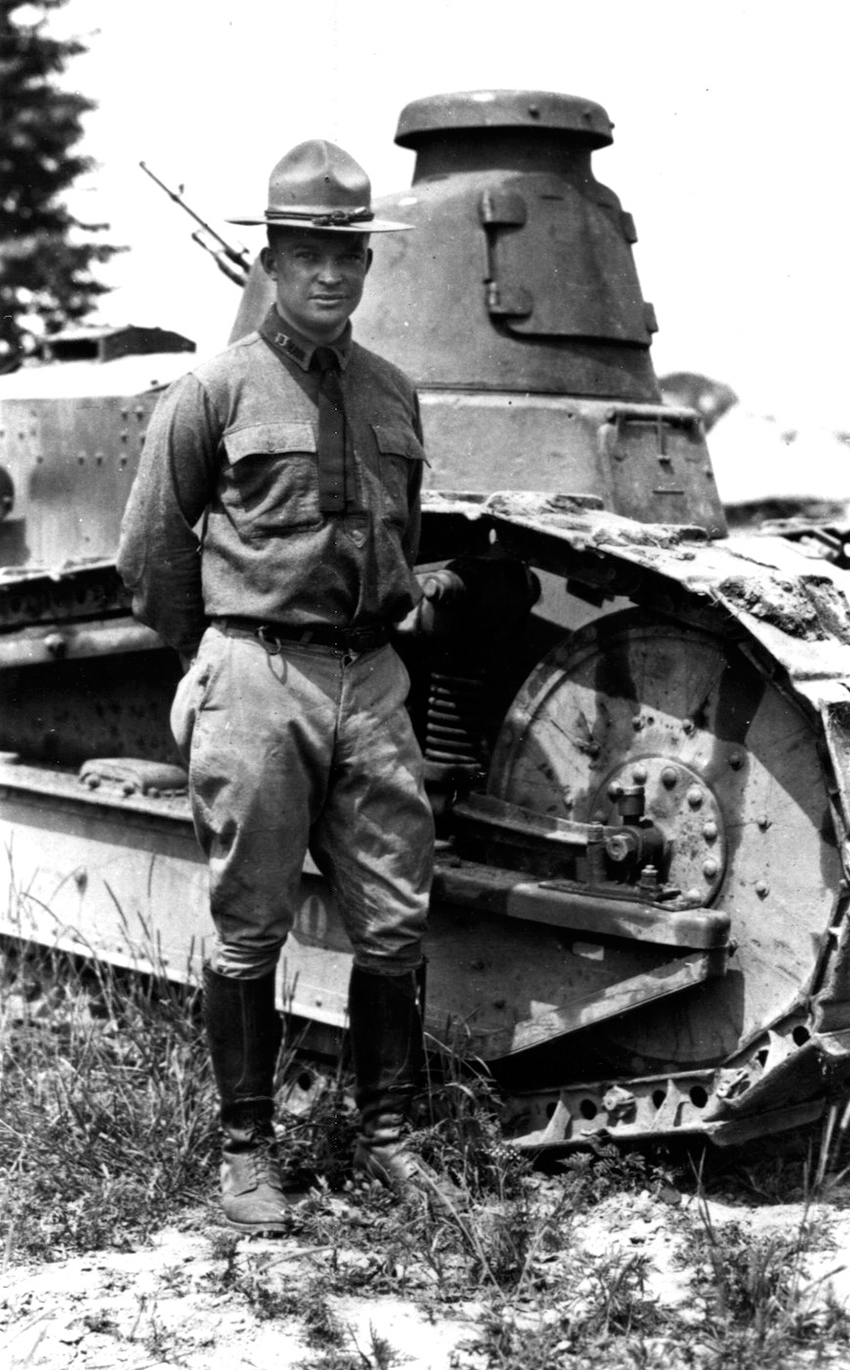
(198,1298)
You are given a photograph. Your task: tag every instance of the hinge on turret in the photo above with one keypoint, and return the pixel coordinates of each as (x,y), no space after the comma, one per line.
(516,301)
(502,207)
(503,210)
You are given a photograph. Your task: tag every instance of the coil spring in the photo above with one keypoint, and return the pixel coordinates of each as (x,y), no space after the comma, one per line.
(455,731)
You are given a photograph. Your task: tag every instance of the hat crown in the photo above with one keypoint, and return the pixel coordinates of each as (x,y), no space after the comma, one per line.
(317,185)
(320,178)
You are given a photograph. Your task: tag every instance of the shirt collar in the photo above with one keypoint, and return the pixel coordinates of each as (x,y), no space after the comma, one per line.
(288,342)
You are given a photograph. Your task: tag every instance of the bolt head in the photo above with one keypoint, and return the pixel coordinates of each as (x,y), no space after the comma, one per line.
(617,848)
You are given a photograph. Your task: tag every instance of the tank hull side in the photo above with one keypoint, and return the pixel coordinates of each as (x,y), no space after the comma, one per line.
(646,462)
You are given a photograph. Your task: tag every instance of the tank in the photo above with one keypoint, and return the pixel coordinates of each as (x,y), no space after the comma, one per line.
(636,728)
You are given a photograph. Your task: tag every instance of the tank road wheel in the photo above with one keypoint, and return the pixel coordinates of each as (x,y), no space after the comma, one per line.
(731,775)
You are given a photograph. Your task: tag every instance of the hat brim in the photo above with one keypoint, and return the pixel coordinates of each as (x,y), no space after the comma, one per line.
(362,226)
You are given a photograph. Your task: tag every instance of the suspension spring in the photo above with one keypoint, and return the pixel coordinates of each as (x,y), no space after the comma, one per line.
(455,732)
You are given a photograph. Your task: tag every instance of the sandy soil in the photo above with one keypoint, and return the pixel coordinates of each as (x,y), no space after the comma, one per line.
(190,1299)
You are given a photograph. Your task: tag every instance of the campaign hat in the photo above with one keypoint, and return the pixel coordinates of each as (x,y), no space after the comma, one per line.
(318,185)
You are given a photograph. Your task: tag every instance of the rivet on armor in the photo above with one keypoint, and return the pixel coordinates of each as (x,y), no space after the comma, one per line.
(688,725)
(639,775)
(695,797)
(669,776)
(736,761)
(763,822)
(709,831)
(710,868)
(56,644)
(637,723)
(762,888)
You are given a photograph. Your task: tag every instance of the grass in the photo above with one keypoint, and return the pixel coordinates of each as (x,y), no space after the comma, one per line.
(107,1134)
(106,1106)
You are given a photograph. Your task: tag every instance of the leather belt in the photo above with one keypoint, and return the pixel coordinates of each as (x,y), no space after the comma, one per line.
(367,638)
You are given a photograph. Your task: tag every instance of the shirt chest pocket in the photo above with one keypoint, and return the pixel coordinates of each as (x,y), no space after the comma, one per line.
(270,478)
(400,456)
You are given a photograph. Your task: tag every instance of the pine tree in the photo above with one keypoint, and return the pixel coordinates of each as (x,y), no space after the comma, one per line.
(45,254)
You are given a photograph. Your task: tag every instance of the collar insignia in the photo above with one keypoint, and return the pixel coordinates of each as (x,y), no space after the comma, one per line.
(288,345)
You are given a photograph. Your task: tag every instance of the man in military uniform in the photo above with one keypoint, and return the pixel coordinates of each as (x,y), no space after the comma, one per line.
(298,455)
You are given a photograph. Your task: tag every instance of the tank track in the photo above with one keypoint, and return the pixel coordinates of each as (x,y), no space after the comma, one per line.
(788,614)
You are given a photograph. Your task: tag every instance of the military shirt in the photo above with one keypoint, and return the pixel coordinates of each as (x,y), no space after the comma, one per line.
(224,520)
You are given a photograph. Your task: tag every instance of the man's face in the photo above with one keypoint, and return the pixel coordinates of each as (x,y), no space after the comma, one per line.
(319,278)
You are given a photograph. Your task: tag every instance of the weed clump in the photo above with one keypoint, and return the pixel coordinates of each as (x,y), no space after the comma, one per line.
(106,1107)
(591,1177)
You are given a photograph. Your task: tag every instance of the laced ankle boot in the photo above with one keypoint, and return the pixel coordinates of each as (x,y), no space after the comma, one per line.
(244,1032)
(386,1041)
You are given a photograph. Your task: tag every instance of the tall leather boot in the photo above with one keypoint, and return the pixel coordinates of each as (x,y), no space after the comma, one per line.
(386,1042)
(244,1032)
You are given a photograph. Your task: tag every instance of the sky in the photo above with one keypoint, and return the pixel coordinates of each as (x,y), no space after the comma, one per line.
(730,152)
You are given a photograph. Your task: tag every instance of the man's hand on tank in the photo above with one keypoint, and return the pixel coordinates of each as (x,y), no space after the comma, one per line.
(438,611)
